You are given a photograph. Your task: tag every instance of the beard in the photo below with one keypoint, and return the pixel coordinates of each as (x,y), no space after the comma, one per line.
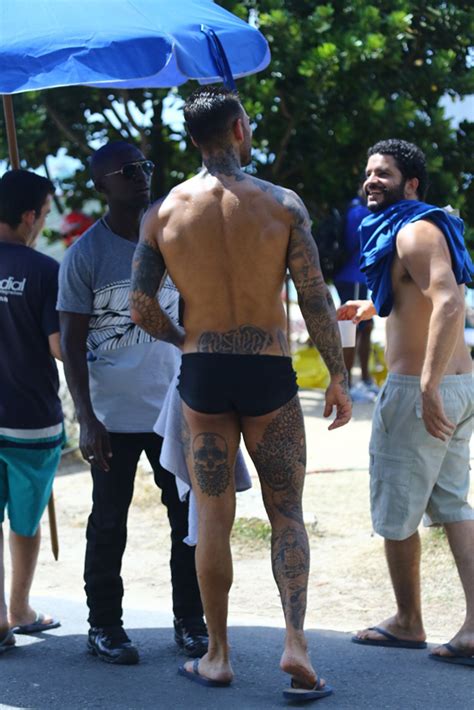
(389,197)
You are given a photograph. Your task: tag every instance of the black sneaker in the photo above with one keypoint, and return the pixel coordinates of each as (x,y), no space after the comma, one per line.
(191,636)
(112,645)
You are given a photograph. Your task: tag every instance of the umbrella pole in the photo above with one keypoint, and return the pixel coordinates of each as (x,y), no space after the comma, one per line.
(53,527)
(11,131)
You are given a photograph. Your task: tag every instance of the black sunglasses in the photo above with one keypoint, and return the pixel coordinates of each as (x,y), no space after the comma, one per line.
(130,170)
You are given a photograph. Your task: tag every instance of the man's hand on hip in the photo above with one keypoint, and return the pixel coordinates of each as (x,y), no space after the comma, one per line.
(435,420)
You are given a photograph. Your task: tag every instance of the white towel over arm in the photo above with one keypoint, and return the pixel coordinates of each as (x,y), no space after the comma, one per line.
(169,426)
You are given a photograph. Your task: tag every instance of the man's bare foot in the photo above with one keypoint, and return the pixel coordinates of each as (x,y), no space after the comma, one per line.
(414,632)
(212,669)
(295,661)
(23,616)
(31,621)
(463,642)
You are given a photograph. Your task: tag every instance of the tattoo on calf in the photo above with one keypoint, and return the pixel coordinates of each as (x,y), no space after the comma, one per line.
(244,340)
(282,448)
(211,463)
(290,562)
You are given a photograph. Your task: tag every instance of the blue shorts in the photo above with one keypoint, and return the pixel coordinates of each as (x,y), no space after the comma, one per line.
(26,481)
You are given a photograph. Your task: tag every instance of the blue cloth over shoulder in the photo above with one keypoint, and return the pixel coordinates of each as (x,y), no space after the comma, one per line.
(378,233)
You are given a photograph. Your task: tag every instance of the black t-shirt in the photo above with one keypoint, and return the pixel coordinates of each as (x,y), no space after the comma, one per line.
(29,380)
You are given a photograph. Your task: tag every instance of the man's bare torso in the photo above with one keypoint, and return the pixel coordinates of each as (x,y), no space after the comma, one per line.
(407,328)
(234,233)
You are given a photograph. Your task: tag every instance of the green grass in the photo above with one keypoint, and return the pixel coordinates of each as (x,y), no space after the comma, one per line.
(251,530)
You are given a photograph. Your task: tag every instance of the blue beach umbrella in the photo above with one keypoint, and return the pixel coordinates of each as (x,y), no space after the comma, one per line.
(46,44)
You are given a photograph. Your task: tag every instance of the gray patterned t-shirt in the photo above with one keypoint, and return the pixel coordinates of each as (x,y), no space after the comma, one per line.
(129,371)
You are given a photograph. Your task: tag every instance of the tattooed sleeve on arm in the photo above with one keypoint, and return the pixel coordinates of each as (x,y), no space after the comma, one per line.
(314,297)
(148,271)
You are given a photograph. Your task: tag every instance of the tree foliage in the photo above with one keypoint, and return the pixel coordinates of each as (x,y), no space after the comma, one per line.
(342,76)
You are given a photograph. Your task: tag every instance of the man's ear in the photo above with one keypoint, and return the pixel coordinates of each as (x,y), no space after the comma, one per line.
(99,186)
(411,187)
(238,130)
(28,218)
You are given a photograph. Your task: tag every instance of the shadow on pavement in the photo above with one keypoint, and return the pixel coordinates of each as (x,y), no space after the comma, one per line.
(53,671)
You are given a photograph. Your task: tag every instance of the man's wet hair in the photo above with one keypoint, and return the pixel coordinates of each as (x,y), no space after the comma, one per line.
(101,159)
(20,192)
(209,114)
(410,160)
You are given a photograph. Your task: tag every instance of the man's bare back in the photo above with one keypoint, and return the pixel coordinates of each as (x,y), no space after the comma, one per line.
(236,235)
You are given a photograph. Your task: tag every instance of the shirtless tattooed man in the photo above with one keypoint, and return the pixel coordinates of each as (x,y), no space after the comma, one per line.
(226,239)
(416,265)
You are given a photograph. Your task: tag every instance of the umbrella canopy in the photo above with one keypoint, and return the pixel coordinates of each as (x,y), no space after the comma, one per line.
(123,43)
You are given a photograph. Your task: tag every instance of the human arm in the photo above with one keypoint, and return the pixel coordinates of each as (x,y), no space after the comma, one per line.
(54,345)
(423,252)
(93,439)
(356,311)
(148,272)
(317,307)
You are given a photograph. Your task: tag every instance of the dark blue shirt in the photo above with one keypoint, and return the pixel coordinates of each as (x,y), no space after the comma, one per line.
(350,271)
(29,380)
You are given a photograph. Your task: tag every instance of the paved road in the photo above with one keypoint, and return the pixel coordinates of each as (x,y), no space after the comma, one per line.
(53,671)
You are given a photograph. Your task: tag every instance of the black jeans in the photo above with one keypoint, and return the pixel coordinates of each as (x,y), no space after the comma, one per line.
(107,532)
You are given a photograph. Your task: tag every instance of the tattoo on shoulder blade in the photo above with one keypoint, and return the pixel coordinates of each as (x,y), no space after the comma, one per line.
(211,463)
(244,340)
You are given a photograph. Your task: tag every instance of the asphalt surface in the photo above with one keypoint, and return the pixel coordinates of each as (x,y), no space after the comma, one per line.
(52,670)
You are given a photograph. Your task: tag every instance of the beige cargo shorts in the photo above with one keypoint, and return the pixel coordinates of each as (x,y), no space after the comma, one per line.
(413,474)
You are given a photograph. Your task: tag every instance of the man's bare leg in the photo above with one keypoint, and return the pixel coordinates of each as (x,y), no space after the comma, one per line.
(24,554)
(363,349)
(403,558)
(210,443)
(461,540)
(349,357)
(4,625)
(276,443)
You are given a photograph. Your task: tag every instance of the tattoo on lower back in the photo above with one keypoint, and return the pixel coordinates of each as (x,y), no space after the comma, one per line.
(244,340)
(211,463)
(281,450)
(290,562)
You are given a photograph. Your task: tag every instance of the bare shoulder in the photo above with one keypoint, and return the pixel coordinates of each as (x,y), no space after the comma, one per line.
(289,200)
(421,238)
(157,216)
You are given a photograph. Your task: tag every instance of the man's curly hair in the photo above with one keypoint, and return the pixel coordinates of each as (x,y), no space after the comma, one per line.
(410,160)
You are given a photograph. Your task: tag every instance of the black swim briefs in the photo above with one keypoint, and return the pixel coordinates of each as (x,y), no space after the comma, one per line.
(251,385)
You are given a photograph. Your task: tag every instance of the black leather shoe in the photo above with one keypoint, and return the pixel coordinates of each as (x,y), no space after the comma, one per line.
(191,636)
(112,645)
